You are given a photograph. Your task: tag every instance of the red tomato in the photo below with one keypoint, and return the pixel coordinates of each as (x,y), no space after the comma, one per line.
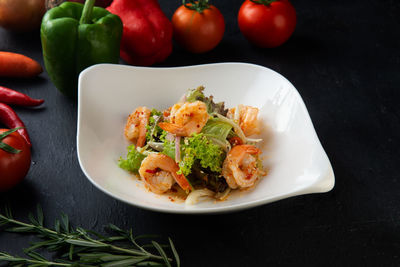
(21,15)
(267,25)
(198,32)
(13,167)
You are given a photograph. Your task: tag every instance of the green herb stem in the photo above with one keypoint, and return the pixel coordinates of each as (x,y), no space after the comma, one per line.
(5,146)
(196,5)
(263,2)
(10,258)
(71,239)
(78,244)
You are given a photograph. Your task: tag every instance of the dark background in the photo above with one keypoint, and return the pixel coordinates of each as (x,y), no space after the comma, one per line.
(344,60)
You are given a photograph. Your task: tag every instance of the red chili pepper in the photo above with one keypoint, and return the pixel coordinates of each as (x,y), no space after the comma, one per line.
(9,118)
(147,32)
(11,97)
(151,171)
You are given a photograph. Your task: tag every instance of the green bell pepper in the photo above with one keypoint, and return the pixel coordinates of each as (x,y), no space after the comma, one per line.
(75,36)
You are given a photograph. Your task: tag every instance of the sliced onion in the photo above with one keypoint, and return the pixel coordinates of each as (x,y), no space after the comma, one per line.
(251,140)
(170,137)
(182,99)
(237,129)
(223,195)
(146,152)
(195,195)
(236,117)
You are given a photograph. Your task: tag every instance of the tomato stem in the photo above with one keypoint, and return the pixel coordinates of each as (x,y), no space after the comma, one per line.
(263,2)
(198,6)
(5,146)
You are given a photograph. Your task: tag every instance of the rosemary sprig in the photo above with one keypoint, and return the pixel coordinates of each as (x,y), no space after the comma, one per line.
(80,247)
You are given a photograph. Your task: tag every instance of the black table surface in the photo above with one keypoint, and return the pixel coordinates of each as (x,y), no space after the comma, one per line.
(344,60)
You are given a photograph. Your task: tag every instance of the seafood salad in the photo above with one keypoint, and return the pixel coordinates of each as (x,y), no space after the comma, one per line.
(197,146)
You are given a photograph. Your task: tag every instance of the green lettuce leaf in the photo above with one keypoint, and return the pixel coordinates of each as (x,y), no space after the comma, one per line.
(154,132)
(212,107)
(200,149)
(217,129)
(169,149)
(195,94)
(132,161)
(196,149)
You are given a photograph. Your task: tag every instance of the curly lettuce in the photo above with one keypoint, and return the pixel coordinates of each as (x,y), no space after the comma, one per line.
(132,161)
(199,148)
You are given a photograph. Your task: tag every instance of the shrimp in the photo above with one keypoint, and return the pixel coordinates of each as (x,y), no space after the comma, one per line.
(135,128)
(247,119)
(159,173)
(240,166)
(186,118)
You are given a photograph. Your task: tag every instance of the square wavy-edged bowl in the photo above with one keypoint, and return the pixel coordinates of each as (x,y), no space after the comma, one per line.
(292,153)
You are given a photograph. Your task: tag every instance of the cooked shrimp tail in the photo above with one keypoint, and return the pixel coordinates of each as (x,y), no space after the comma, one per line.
(159,173)
(186,119)
(173,128)
(240,166)
(247,118)
(135,128)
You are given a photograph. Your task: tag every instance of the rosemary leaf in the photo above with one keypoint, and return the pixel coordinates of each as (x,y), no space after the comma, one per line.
(71,252)
(38,245)
(115,228)
(177,259)
(83,248)
(7,211)
(65,222)
(84,243)
(115,257)
(33,220)
(57,226)
(91,256)
(162,252)
(40,216)
(8,148)
(20,229)
(126,262)
(35,255)
(114,238)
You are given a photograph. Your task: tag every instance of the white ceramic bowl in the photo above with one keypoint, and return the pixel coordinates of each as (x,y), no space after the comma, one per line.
(296,161)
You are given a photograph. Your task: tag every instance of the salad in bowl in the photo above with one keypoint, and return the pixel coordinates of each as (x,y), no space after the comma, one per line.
(195,148)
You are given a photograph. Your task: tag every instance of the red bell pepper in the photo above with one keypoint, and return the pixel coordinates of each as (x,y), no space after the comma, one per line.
(147,32)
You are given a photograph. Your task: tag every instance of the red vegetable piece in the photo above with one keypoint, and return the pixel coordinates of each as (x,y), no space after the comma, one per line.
(147,32)
(10,119)
(267,23)
(11,97)
(13,166)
